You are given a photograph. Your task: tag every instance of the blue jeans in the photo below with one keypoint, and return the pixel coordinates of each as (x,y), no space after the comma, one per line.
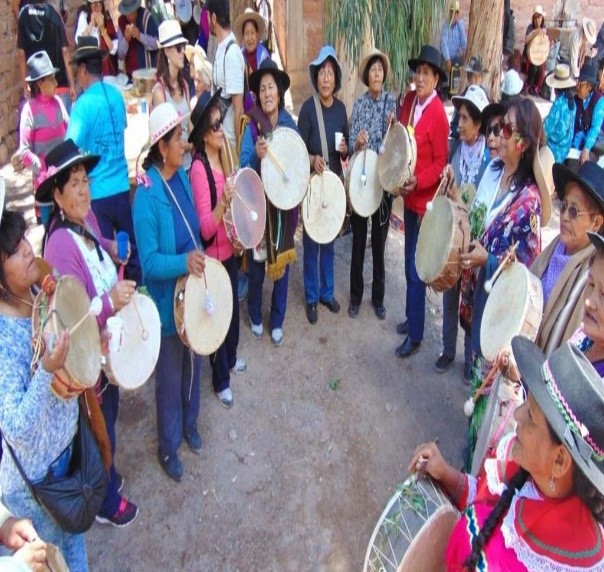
(415,305)
(256,274)
(114,214)
(109,407)
(73,546)
(318,278)
(226,356)
(177,393)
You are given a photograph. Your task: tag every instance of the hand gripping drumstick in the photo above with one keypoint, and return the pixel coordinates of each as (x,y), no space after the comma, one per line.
(440,189)
(488,285)
(468,406)
(277,163)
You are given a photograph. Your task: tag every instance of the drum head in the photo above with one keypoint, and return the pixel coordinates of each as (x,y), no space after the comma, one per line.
(135,361)
(538,50)
(197,13)
(249,208)
(413,531)
(396,164)
(184,10)
(365,191)
(324,207)
(71,303)
(207,316)
(507,307)
(285,191)
(435,239)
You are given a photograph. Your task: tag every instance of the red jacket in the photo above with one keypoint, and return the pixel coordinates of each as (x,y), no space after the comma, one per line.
(431,136)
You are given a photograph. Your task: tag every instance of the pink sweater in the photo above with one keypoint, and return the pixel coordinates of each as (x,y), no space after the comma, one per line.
(221,248)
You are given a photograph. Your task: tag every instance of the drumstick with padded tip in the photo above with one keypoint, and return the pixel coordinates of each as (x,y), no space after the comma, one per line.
(96,306)
(429,204)
(210,305)
(363,175)
(468,406)
(277,163)
(488,285)
(383,143)
(144,332)
(253,213)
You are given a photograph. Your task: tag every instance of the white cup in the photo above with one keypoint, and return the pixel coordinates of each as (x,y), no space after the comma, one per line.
(339,137)
(114,327)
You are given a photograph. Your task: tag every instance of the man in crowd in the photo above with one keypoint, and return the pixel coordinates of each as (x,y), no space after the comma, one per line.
(453,39)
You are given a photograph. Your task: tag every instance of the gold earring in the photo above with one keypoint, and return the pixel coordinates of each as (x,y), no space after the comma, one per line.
(551,484)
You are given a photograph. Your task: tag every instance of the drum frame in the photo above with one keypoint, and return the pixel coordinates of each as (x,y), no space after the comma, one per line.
(406,169)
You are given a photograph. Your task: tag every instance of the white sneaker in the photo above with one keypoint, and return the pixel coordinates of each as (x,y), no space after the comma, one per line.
(239,367)
(277,336)
(225,397)
(257,330)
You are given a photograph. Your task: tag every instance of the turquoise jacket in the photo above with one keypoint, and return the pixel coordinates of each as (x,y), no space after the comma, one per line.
(154,231)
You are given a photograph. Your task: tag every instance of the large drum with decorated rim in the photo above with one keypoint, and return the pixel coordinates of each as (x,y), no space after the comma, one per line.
(538,49)
(203,308)
(324,207)
(444,235)
(397,162)
(413,531)
(285,170)
(362,183)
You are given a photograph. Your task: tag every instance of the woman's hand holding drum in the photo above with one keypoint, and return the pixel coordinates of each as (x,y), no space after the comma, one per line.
(228,192)
(261,148)
(475,257)
(121,293)
(318,163)
(362,140)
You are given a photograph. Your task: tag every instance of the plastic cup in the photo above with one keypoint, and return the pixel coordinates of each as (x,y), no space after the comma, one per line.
(114,327)
(339,136)
(122,244)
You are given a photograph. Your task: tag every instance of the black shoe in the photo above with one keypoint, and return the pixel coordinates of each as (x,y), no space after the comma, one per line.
(311,312)
(332,305)
(407,348)
(467,374)
(353,310)
(402,328)
(443,363)
(193,439)
(379,310)
(172,466)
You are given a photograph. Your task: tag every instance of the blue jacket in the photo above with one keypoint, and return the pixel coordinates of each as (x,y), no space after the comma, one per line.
(559,127)
(154,231)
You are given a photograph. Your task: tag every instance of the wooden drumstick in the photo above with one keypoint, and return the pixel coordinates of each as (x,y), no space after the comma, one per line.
(277,163)
(468,406)
(363,175)
(210,305)
(253,213)
(383,143)
(96,306)
(144,332)
(488,285)
(438,191)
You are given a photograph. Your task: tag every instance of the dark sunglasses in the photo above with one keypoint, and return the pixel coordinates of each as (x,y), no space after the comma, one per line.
(495,129)
(180,48)
(573,213)
(507,129)
(216,126)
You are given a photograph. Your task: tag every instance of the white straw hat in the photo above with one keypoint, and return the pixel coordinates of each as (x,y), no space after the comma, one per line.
(170,34)
(163,119)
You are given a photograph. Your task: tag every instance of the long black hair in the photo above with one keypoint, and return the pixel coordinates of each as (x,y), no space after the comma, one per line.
(12,231)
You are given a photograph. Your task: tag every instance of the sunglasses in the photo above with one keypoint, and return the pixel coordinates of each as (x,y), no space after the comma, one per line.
(180,48)
(507,129)
(495,129)
(216,126)
(573,213)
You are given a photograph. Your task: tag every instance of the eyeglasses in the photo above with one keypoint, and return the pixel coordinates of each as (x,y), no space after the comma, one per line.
(216,126)
(508,129)
(573,213)
(180,48)
(495,129)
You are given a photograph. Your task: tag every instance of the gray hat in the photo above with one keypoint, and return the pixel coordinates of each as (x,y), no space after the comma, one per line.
(39,66)
(126,7)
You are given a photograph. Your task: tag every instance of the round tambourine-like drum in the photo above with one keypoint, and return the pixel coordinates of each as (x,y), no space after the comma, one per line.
(134,362)
(203,308)
(245,220)
(363,184)
(183,10)
(514,308)
(538,49)
(413,531)
(62,310)
(397,163)
(285,170)
(324,207)
(197,12)
(444,235)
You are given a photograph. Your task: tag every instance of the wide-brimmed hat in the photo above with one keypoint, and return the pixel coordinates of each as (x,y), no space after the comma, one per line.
(491,110)
(539,10)
(190,51)
(87,47)
(170,34)
(126,7)
(543,161)
(589,72)
(163,119)
(39,66)
(61,157)
(364,67)
(560,78)
(512,84)
(570,393)
(589,176)
(269,66)
(203,105)
(590,30)
(325,53)
(475,65)
(431,56)
(248,14)
(474,96)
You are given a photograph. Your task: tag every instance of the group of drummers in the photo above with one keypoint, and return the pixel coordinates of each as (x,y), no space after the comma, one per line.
(531,493)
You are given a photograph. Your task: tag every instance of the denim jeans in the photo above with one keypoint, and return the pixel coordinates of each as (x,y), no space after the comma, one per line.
(415,305)
(256,274)
(109,407)
(318,270)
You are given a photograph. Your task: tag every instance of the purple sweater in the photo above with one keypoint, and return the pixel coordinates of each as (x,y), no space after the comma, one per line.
(64,255)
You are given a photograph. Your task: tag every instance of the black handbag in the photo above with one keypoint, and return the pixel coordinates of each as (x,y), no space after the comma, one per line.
(74,500)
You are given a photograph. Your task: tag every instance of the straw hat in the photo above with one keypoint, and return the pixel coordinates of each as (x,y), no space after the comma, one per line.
(248,15)
(560,78)
(373,53)
(170,34)
(539,10)
(191,51)
(474,96)
(163,119)
(590,30)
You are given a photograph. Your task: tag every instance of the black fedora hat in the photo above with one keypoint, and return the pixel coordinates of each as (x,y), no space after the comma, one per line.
(570,393)
(62,156)
(88,47)
(590,177)
(203,105)
(431,56)
(269,66)
(39,66)
(589,72)
(492,110)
